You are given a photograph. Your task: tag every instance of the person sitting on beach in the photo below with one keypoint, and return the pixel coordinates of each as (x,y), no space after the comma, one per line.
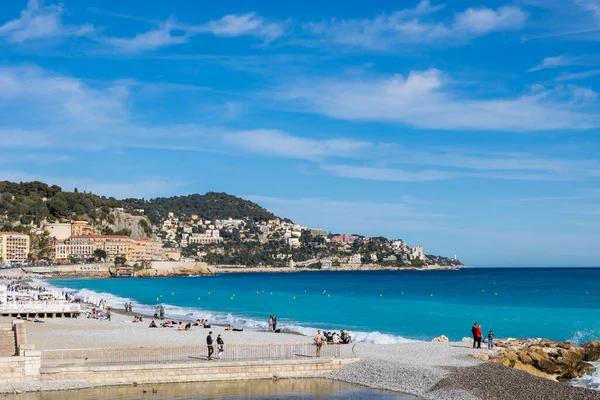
(229,327)
(198,323)
(153,325)
(344,337)
(136,319)
(490,340)
(206,324)
(180,326)
(188,326)
(335,339)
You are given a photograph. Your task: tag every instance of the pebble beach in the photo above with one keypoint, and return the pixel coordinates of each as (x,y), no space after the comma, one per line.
(423,369)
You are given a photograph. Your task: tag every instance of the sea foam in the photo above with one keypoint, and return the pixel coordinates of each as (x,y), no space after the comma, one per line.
(239,321)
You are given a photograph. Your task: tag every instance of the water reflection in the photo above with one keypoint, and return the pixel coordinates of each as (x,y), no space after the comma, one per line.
(288,389)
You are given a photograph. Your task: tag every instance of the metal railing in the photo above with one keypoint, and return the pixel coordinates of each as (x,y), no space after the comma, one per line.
(180,354)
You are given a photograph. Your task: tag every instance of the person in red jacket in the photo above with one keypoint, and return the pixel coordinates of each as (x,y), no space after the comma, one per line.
(478,335)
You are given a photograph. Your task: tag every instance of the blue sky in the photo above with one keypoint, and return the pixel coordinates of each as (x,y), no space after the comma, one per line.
(466,127)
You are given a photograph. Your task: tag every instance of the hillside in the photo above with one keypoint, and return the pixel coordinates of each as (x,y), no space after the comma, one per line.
(208,206)
(29,203)
(216,228)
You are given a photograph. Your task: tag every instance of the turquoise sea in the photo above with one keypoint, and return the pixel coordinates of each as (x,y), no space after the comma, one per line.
(377,306)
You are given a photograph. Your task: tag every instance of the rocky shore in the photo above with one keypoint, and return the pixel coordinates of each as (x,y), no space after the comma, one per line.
(448,371)
(546,358)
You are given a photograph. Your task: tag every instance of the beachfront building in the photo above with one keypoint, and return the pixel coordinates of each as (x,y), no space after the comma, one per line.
(61,252)
(83,247)
(81,228)
(14,247)
(60,231)
(145,250)
(113,245)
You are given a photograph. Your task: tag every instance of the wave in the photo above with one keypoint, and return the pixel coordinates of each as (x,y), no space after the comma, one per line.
(591,381)
(192,313)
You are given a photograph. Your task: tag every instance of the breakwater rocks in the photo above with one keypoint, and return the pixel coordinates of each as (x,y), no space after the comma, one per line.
(546,358)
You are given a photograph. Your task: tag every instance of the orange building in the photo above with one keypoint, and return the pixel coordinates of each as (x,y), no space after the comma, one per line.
(145,250)
(81,228)
(14,247)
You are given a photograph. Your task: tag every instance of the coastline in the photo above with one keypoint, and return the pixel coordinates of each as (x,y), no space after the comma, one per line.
(426,370)
(173,269)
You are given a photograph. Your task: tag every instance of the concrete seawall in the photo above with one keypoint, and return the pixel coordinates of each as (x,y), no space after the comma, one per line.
(25,372)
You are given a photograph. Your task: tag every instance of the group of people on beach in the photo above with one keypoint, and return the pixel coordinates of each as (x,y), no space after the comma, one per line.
(322,338)
(478,336)
(128,307)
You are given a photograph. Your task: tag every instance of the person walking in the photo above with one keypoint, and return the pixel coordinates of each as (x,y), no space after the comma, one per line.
(130,307)
(209,345)
(473,330)
(220,349)
(271,323)
(478,336)
(274,323)
(491,340)
(108,314)
(319,342)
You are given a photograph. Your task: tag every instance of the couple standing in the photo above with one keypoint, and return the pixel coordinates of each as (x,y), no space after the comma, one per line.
(272,323)
(478,335)
(211,350)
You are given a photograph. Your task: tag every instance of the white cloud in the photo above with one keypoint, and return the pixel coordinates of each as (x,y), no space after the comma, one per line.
(483,20)
(249,24)
(409,26)
(172,32)
(387,174)
(39,22)
(165,35)
(562,60)
(592,6)
(39,108)
(281,144)
(403,175)
(426,99)
(578,75)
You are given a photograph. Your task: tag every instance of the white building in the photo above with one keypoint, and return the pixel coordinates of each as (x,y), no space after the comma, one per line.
(211,236)
(354,259)
(61,251)
(61,231)
(416,252)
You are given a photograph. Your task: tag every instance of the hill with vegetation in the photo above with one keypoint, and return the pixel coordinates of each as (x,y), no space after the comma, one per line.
(29,203)
(251,241)
(209,206)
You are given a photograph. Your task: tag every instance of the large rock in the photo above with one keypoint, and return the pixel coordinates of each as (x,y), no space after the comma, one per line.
(546,358)
(533,371)
(440,339)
